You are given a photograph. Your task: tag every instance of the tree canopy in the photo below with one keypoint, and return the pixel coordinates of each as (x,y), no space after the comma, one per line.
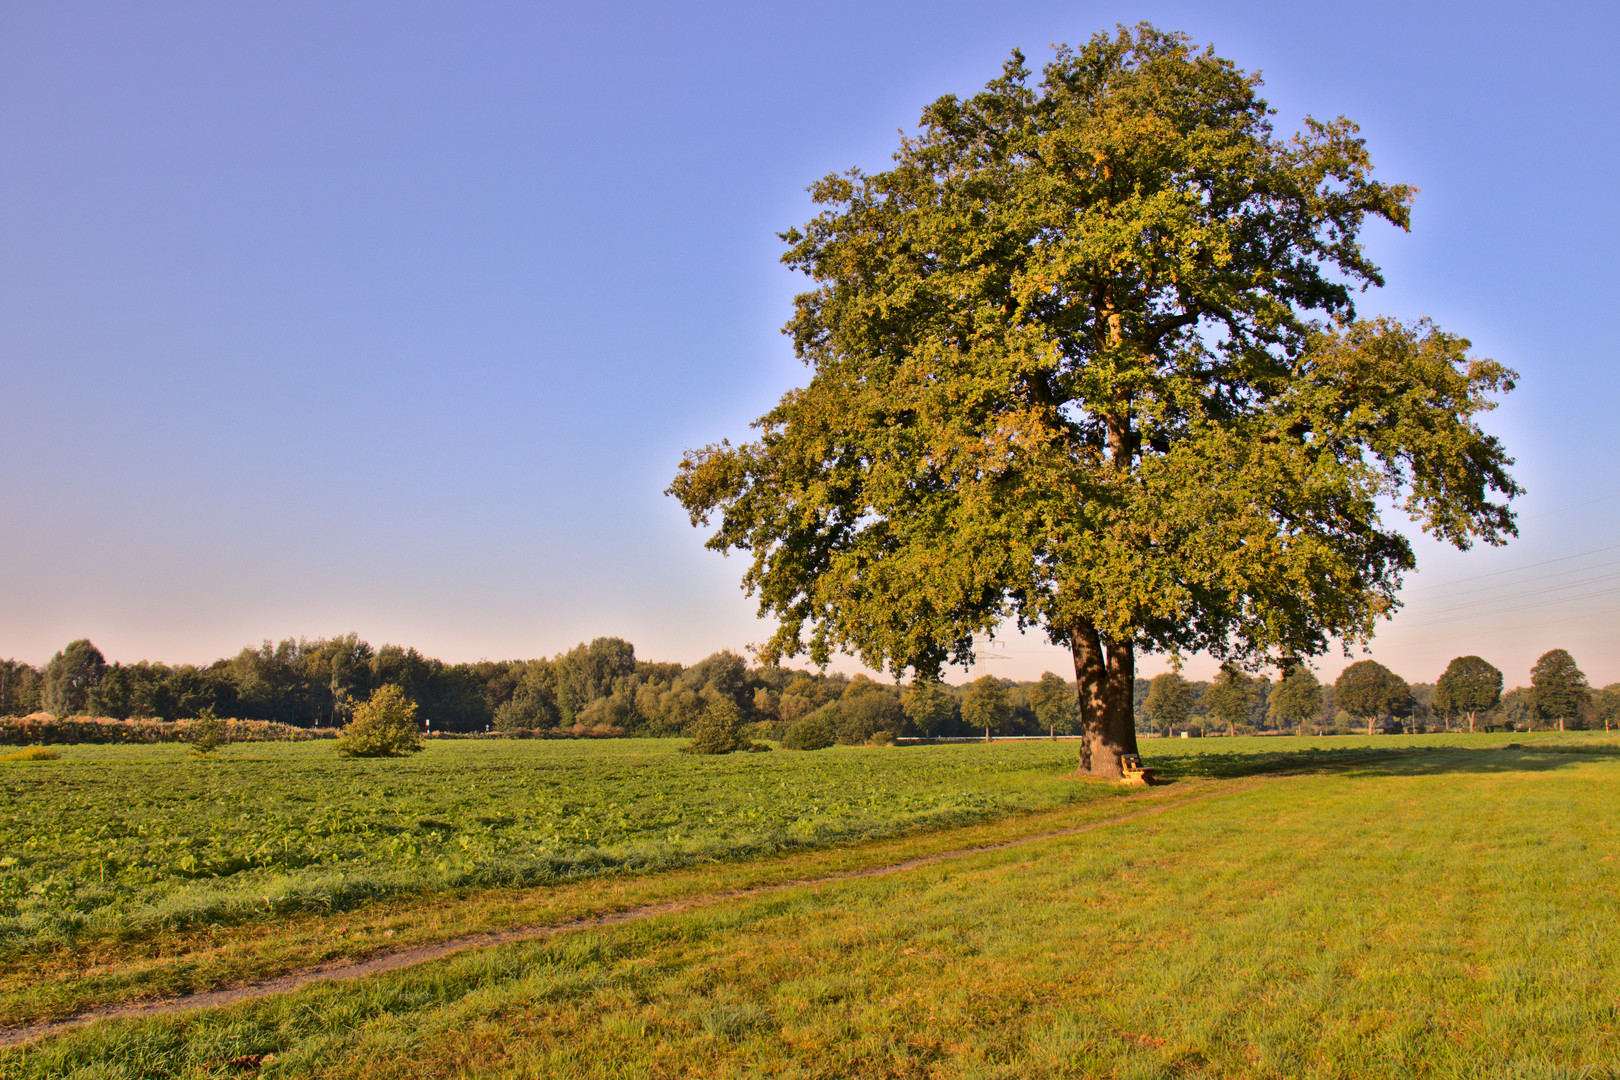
(1169,701)
(1053,701)
(1297,697)
(1086,358)
(1229,697)
(1470,685)
(1558,688)
(71,678)
(1370,690)
(985,706)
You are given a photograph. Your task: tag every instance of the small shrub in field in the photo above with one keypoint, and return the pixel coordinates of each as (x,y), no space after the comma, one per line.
(32,753)
(720,730)
(809,732)
(384,726)
(208,733)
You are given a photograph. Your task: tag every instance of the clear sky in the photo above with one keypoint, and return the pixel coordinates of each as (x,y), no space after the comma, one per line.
(396,318)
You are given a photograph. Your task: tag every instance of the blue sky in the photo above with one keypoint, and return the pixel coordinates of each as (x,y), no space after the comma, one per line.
(396,318)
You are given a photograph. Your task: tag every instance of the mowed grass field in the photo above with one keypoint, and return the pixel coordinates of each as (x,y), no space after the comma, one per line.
(1429,906)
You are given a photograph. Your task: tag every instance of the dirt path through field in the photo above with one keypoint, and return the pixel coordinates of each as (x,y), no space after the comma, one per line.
(348,971)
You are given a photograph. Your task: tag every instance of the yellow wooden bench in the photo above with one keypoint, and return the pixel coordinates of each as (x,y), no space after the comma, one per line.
(1135,773)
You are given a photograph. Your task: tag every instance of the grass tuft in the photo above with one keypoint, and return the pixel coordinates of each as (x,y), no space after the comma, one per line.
(31,753)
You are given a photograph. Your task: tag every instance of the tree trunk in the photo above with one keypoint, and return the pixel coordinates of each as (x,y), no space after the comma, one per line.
(1106,677)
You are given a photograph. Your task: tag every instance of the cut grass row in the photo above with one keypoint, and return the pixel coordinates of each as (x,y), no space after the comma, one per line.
(1449,914)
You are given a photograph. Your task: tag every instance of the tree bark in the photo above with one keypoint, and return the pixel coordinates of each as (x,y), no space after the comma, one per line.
(1106,676)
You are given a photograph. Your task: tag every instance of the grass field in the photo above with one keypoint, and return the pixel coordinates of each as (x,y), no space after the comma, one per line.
(117,840)
(1449,911)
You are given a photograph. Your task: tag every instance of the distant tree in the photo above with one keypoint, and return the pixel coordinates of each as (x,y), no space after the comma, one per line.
(1422,704)
(114,694)
(1469,686)
(1228,697)
(533,704)
(1369,690)
(929,706)
(615,714)
(1055,705)
(1259,701)
(146,689)
(335,672)
(1558,688)
(790,707)
(269,683)
(1297,698)
(863,714)
(383,726)
(985,706)
(723,673)
(1517,707)
(71,677)
(1140,688)
(188,691)
(1169,701)
(817,691)
(1607,702)
(19,688)
(1330,708)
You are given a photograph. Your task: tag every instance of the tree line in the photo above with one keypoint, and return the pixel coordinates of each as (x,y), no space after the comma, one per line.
(1368,696)
(598,689)
(602,689)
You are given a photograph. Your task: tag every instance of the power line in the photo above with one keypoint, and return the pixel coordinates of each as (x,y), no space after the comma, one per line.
(1460,603)
(1612,615)
(1573,506)
(1425,620)
(1512,570)
(1531,580)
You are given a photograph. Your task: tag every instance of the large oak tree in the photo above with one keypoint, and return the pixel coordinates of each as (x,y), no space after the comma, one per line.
(1086,358)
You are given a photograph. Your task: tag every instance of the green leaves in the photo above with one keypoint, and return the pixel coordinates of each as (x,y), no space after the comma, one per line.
(385,726)
(1085,357)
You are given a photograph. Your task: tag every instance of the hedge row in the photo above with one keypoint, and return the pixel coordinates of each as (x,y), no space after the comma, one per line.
(47,730)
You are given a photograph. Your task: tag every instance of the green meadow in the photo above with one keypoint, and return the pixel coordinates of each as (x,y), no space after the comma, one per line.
(1442,906)
(124,840)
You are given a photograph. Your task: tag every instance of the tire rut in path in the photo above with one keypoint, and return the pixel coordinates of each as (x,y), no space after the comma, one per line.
(348,971)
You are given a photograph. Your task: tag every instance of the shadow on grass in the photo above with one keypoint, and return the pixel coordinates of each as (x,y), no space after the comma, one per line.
(1371,761)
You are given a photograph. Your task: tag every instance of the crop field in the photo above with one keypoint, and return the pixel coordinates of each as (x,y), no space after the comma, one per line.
(115,839)
(1426,906)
